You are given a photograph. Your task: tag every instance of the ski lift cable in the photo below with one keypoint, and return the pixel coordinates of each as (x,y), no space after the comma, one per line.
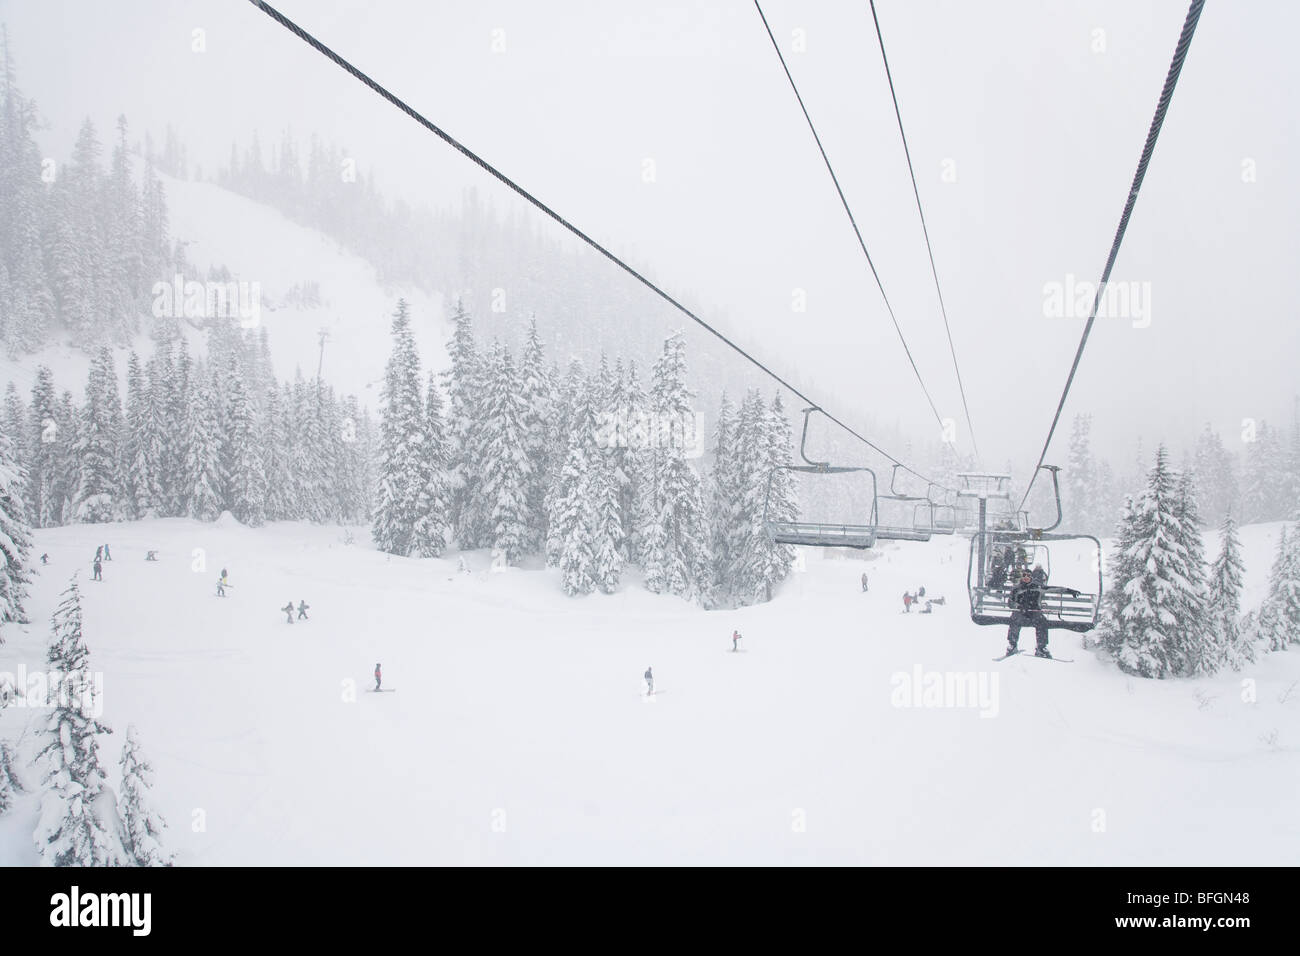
(934,270)
(339,61)
(852,222)
(1162,106)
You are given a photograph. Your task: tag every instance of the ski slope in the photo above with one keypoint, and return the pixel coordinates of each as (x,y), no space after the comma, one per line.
(518,732)
(260,246)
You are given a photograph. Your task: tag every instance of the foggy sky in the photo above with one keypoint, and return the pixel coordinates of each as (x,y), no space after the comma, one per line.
(1042,130)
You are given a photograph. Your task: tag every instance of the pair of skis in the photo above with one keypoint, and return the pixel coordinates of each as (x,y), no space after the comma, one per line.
(1063,660)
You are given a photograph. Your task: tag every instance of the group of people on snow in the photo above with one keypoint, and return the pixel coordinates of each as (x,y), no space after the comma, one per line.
(302,611)
(101,555)
(919,598)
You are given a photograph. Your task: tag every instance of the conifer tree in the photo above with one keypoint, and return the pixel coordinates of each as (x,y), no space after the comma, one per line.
(71,831)
(1237,649)
(433,526)
(402,474)
(15,537)
(502,455)
(142,825)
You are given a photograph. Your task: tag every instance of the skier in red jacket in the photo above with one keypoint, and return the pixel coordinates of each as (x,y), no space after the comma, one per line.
(377,677)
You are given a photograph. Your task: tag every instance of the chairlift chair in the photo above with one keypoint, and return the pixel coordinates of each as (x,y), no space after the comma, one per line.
(859,534)
(990,591)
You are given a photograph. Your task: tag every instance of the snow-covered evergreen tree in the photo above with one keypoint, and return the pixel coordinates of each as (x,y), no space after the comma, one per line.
(201,486)
(433,526)
(464,379)
(674,531)
(140,448)
(1216,474)
(1276,624)
(98,451)
(10,784)
(1236,647)
(246,483)
(72,829)
(142,825)
(502,456)
(43,438)
(1204,650)
(1265,482)
(15,537)
(1140,623)
(724,494)
(281,501)
(402,474)
(538,394)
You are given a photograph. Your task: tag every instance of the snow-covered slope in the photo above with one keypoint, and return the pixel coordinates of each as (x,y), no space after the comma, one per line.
(261,246)
(517,732)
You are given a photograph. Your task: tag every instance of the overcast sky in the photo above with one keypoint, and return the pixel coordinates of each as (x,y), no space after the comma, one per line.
(1040,110)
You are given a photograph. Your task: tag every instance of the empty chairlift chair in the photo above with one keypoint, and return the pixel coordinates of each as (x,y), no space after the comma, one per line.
(856,531)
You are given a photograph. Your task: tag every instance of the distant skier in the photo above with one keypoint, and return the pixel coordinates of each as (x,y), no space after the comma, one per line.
(288,611)
(221,587)
(907,602)
(151,556)
(650,681)
(107,556)
(99,570)
(99,553)
(921,593)
(45,558)
(302,611)
(378,677)
(864,582)
(735,636)
(223,574)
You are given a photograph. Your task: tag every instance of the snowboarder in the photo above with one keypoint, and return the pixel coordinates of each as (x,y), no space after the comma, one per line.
(107,556)
(151,556)
(302,611)
(1026,601)
(907,602)
(99,553)
(378,677)
(288,611)
(650,681)
(735,636)
(929,605)
(864,582)
(99,570)
(921,593)
(221,587)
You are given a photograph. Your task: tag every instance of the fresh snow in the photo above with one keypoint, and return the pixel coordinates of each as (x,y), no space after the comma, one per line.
(521,734)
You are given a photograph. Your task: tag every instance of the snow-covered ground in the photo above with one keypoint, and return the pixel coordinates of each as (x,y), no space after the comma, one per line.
(518,732)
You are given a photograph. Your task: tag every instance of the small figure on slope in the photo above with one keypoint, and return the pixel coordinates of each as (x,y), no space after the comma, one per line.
(302,611)
(288,611)
(99,553)
(735,637)
(864,582)
(99,570)
(221,587)
(107,556)
(45,558)
(378,678)
(650,681)
(151,555)
(907,602)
